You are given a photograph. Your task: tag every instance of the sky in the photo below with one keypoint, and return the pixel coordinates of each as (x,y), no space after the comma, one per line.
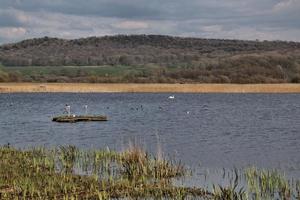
(222,19)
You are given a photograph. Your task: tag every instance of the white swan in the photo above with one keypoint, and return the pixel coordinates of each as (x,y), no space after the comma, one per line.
(172,97)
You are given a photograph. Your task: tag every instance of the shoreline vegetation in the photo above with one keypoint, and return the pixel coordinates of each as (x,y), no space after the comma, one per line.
(67,172)
(147,88)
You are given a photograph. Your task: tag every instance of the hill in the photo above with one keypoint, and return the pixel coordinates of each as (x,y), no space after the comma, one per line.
(150,58)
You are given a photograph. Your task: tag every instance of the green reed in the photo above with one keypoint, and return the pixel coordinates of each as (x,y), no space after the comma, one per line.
(70,173)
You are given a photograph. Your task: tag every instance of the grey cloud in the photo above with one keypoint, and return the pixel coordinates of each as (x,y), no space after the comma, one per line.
(247,19)
(104,8)
(9,18)
(142,9)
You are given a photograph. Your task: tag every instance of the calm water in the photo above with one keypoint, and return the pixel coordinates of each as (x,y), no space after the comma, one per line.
(214,130)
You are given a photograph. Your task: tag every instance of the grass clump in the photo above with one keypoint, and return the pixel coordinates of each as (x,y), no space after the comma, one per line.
(229,193)
(265,184)
(137,164)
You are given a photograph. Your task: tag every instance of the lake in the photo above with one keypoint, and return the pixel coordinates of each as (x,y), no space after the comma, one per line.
(214,131)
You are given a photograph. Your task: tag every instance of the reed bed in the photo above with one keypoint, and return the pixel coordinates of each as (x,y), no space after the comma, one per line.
(184,88)
(70,173)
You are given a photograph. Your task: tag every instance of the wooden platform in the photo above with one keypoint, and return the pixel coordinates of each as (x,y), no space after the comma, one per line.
(72,119)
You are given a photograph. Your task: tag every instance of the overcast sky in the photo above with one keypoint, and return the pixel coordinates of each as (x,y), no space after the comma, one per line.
(229,19)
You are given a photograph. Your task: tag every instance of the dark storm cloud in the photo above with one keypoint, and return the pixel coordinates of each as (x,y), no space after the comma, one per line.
(241,19)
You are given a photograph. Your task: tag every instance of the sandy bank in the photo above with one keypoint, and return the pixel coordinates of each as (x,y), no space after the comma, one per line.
(185,88)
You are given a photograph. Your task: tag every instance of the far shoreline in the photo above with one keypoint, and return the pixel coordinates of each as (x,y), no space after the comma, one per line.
(146,88)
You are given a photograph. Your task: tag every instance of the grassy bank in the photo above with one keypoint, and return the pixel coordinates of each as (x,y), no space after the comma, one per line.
(184,88)
(70,173)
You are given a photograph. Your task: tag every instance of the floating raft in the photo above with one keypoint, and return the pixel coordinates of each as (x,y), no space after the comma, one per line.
(73,119)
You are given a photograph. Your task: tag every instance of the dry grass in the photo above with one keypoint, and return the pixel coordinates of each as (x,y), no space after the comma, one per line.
(184,88)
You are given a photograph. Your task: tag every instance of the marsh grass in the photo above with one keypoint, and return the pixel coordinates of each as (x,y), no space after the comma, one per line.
(270,184)
(70,173)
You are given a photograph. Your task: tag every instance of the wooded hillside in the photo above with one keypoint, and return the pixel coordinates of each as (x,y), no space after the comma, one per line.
(158,58)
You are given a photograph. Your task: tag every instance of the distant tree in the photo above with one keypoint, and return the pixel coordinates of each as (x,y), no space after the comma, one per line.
(126,60)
